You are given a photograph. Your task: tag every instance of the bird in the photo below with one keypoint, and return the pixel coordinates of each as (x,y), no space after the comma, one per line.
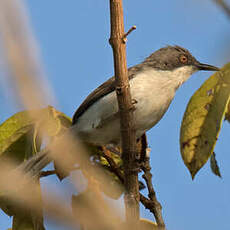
(153,84)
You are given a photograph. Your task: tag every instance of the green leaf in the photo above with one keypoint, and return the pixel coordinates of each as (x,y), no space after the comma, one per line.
(19,137)
(14,132)
(203,119)
(15,147)
(13,135)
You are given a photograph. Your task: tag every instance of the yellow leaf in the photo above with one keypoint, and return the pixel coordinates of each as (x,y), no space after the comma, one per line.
(203,119)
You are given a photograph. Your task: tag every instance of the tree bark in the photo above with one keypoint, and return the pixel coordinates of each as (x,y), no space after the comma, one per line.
(128,134)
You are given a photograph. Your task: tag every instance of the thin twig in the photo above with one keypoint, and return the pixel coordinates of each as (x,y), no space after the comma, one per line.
(129,31)
(52,172)
(224,6)
(113,166)
(153,204)
(149,204)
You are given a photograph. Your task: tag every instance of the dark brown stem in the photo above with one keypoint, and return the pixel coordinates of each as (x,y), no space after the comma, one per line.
(52,172)
(113,166)
(153,205)
(224,6)
(128,134)
(116,170)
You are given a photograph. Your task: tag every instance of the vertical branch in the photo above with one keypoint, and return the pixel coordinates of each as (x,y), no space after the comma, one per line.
(128,134)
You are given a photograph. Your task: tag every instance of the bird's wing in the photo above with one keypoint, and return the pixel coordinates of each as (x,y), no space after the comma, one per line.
(98,93)
(101,91)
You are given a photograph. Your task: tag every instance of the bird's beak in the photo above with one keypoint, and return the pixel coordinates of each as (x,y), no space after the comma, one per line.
(206,67)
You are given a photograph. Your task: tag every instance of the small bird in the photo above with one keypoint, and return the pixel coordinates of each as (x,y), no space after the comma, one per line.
(153,84)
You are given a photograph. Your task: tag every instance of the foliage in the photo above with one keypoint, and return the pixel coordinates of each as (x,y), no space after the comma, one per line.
(22,136)
(203,119)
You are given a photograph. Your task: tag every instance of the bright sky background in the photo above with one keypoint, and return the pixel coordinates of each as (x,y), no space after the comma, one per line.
(73,39)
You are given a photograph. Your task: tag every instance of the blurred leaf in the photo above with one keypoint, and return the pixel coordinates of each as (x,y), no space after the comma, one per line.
(214,165)
(107,180)
(14,123)
(22,223)
(111,187)
(26,222)
(115,188)
(90,210)
(203,119)
(65,123)
(16,145)
(36,141)
(13,135)
(52,122)
(14,132)
(7,205)
(146,224)
(20,137)
(26,219)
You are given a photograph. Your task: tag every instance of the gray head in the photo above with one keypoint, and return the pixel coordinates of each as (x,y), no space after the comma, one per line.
(173,57)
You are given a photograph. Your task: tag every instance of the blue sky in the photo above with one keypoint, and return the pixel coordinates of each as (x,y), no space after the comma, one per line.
(73,39)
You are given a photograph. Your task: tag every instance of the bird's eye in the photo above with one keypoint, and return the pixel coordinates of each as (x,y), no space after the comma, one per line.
(183,59)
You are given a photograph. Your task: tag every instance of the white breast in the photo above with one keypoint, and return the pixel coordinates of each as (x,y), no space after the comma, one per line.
(153,90)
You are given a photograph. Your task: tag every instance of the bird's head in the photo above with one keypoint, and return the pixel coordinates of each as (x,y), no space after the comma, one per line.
(173,57)
(175,63)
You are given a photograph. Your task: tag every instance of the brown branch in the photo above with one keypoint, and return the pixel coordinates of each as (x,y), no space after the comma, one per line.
(156,208)
(224,6)
(47,173)
(113,166)
(151,204)
(128,134)
(52,172)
